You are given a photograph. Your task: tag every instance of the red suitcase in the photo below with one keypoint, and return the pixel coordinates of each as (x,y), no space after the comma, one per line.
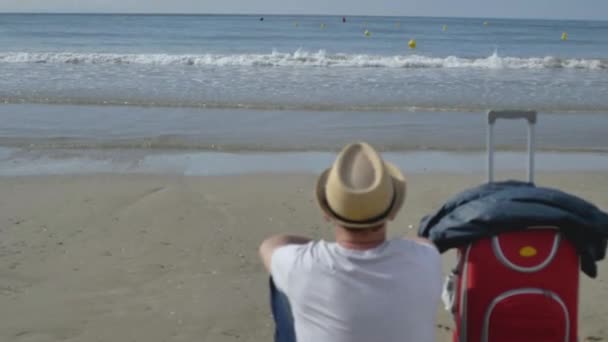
(520,286)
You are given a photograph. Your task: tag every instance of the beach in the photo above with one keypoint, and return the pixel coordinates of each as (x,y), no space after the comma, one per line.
(117,257)
(143,158)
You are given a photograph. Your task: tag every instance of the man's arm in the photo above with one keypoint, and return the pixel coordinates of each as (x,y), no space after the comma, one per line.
(270,244)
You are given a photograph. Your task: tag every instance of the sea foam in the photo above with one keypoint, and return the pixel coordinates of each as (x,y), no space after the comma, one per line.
(304,58)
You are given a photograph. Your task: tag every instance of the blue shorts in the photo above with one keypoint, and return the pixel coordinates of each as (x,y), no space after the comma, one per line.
(283,318)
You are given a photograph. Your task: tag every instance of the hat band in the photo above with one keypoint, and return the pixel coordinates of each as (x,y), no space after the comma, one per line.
(366,221)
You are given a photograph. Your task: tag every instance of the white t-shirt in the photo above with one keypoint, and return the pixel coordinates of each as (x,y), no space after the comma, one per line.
(389,293)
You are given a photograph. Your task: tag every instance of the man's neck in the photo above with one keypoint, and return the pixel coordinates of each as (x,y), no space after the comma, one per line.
(359,246)
(360,240)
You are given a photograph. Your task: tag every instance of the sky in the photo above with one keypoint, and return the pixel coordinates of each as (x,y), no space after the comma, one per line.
(544,9)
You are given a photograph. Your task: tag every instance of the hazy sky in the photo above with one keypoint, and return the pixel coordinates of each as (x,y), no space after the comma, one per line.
(575,9)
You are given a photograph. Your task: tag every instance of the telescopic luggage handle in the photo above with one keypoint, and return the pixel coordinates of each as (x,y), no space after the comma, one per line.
(494,115)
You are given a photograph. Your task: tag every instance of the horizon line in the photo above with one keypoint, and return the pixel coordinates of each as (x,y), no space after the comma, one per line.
(290,14)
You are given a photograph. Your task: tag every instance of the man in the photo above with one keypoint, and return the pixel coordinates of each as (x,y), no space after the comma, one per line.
(362,287)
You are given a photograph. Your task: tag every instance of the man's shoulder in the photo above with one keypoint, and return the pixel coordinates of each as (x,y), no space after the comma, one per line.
(311,246)
(414,245)
(313,250)
(303,260)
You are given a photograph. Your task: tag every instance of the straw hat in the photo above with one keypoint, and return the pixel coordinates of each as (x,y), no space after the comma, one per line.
(360,190)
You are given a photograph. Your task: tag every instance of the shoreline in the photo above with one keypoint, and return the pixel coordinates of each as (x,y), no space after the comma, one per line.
(16,162)
(60,127)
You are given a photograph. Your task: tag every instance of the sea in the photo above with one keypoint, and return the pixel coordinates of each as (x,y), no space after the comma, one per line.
(205,94)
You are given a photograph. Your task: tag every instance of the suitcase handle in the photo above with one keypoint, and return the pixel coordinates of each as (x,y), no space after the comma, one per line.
(529,115)
(493,115)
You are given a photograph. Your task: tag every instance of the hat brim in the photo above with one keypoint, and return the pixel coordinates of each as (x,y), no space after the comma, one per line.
(399,186)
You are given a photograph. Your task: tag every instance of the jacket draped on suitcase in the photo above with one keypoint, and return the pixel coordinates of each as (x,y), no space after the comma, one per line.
(495,208)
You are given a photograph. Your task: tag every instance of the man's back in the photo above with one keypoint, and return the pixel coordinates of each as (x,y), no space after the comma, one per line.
(389,293)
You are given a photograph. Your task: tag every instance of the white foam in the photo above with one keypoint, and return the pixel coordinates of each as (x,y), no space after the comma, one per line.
(303,58)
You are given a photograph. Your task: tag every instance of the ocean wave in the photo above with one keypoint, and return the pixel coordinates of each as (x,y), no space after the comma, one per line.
(303,58)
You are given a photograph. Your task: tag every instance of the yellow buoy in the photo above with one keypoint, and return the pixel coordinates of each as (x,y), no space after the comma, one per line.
(564,35)
(322,26)
(444,28)
(398,24)
(412,44)
(295,24)
(367,33)
(485,23)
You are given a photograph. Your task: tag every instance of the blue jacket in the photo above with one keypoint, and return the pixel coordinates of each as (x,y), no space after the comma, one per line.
(494,208)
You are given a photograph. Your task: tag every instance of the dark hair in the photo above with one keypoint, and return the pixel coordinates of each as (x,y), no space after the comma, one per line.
(365,230)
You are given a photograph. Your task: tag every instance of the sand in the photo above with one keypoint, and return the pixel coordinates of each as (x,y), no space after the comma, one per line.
(172,258)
